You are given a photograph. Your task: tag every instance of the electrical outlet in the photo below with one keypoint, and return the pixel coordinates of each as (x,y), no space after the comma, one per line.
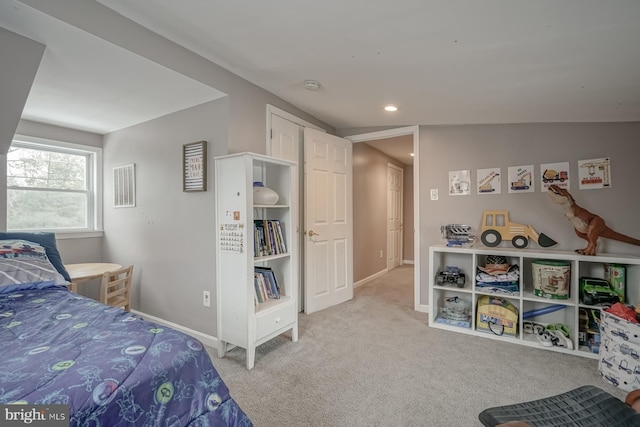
(381,254)
(206,298)
(434,194)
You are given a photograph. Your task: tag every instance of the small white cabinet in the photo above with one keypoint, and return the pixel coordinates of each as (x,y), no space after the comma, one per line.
(525,299)
(242,320)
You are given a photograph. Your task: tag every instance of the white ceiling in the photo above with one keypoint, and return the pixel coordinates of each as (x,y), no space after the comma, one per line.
(440,61)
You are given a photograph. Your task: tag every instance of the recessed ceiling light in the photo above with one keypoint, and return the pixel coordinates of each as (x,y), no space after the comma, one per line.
(390,108)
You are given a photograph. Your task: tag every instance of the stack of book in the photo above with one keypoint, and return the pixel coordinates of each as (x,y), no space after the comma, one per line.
(266,285)
(268,237)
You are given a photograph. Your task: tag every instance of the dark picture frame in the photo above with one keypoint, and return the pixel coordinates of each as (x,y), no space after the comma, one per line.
(194,166)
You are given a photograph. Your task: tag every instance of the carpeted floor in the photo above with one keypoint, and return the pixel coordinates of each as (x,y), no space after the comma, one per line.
(373,361)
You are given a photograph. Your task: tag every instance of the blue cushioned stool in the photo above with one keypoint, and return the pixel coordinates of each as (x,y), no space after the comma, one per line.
(584,406)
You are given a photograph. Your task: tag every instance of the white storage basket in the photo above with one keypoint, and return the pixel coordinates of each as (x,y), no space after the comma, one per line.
(619,352)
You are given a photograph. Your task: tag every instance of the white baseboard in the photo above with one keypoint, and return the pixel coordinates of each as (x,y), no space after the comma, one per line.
(407,261)
(204,338)
(370,278)
(423,308)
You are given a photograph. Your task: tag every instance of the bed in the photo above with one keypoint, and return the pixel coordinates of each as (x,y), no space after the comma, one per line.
(109,366)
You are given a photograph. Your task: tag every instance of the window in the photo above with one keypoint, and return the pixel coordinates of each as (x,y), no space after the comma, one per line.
(53,186)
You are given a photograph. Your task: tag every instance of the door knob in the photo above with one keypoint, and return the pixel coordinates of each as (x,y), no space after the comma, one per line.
(312,233)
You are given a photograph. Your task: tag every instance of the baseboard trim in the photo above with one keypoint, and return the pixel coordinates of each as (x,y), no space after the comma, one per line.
(422,308)
(407,261)
(370,278)
(205,338)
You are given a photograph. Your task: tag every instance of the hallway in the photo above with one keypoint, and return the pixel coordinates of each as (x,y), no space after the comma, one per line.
(395,288)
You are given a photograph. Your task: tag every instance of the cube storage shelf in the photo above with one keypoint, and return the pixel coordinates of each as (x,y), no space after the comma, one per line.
(525,300)
(242,321)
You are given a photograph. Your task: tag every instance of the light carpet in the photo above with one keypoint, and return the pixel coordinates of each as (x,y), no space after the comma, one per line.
(373,361)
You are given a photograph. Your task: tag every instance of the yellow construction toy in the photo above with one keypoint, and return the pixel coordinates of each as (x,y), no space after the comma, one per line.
(497,227)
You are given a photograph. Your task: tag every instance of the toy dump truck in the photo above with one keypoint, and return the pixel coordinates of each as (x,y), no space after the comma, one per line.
(497,227)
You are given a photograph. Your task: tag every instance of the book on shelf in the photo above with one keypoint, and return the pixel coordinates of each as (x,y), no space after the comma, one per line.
(280,237)
(270,280)
(268,237)
(272,248)
(266,284)
(259,295)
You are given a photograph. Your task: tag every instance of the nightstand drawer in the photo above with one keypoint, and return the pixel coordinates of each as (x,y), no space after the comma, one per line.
(272,321)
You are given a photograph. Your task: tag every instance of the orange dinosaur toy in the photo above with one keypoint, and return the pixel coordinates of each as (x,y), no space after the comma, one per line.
(586,225)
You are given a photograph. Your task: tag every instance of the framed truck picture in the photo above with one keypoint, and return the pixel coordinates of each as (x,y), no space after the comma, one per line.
(554,173)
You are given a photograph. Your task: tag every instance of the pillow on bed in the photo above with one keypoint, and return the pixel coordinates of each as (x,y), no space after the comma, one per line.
(24,265)
(44,238)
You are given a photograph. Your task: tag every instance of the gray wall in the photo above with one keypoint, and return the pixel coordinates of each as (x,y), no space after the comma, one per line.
(169,236)
(449,148)
(57,133)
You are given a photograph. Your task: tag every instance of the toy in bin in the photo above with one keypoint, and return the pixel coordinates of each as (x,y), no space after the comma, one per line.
(450,275)
(456,312)
(496,315)
(589,329)
(596,291)
(551,278)
(498,276)
(615,274)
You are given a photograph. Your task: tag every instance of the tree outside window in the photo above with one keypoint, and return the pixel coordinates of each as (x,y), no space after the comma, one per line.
(48,188)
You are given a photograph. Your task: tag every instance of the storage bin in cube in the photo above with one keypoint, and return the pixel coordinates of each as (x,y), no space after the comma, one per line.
(496,315)
(619,362)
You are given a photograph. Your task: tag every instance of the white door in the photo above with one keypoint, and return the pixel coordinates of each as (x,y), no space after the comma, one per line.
(328,225)
(394,216)
(285,139)
(284,143)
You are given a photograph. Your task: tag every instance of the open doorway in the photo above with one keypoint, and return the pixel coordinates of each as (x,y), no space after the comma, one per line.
(378,211)
(286,141)
(372,245)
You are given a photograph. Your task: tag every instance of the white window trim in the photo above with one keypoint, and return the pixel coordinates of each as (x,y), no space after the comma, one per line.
(96,177)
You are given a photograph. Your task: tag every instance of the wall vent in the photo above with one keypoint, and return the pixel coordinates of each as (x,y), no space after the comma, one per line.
(124,186)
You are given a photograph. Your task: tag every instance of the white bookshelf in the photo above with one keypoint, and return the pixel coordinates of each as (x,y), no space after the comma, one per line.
(241,321)
(525,300)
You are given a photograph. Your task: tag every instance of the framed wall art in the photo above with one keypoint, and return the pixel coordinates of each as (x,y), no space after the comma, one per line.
(594,173)
(194,161)
(489,181)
